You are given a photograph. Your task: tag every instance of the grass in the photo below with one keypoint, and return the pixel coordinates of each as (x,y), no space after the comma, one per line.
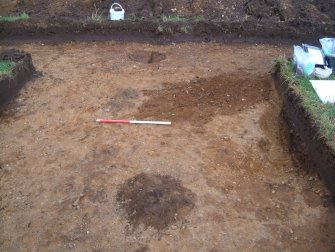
(185,29)
(174,19)
(165,30)
(97,17)
(133,17)
(198,18)
(6,67)
(23,16)
(322,114)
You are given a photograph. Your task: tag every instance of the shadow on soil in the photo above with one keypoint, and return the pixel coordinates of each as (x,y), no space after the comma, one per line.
(147,57)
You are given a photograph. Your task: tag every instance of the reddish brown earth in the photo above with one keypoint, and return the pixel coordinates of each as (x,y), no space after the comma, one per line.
(222,171)
(199,100)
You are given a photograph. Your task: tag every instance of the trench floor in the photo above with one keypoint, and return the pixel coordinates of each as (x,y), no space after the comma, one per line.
(221,178)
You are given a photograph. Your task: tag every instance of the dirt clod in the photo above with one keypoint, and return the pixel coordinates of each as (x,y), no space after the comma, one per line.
(155,200)
(147,57)
(13,55)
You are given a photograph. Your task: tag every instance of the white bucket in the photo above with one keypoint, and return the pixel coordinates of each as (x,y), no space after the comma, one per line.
(117,13)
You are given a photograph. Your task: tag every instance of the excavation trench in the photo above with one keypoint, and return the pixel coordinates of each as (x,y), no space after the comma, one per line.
(222,176)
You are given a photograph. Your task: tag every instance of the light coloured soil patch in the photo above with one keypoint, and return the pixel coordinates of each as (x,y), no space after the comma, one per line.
(61,172)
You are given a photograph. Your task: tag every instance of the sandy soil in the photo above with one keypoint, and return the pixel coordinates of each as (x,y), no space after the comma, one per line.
(222,172)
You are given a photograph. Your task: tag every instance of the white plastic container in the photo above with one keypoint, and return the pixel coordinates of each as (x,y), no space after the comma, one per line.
(323,73)
(116,12)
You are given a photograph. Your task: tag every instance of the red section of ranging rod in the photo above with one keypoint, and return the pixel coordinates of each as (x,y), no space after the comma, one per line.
(112,121)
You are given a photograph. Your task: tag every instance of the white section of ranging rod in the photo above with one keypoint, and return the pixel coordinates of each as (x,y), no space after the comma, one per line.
(132,121)
(150,122)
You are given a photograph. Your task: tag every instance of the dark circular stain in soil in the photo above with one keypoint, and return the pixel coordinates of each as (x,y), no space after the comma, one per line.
(147,57)
(122,100)
(155,200)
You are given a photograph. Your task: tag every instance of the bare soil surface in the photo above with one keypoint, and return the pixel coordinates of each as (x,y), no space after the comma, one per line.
(230,10)
(222,172)
(198,101)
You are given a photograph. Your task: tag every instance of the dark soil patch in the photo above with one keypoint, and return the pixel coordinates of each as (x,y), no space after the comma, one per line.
(234,10)
(13,55)
(60,30)
(263,9)
(147,57)
(326,7)
(142,249)
(204,20)
(199,100)
(155,200)
(22,72)
(122,100)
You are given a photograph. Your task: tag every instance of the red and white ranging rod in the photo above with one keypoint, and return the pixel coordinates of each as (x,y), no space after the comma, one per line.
(132,122)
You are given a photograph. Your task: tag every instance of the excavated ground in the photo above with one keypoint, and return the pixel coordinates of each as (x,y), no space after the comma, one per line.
(220,178)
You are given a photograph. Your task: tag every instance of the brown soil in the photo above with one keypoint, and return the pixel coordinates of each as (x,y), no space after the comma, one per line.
(21,73)
(209,20)
(199,100)
(276,10)
(61,172)
(155,200)
(64,30)
(123,100)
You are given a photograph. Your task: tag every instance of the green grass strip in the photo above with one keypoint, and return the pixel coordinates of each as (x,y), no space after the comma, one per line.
(23,16)
(198,18)
(173,19)
(6,67)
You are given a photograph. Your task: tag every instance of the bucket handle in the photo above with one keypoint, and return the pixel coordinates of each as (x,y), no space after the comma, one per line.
(118,5)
